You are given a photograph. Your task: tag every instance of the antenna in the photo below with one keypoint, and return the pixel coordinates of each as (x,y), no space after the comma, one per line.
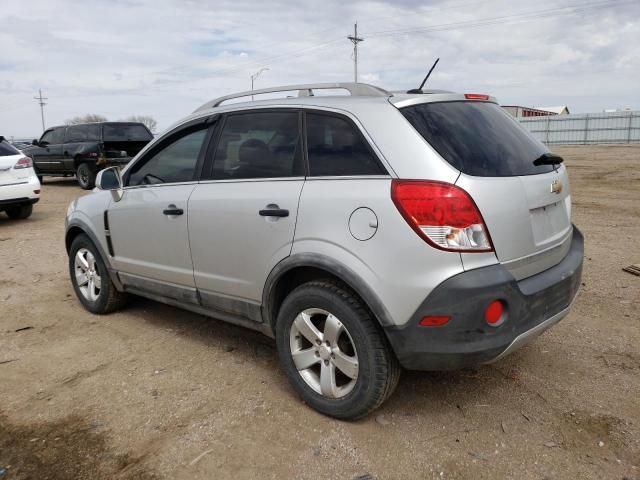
(419,89)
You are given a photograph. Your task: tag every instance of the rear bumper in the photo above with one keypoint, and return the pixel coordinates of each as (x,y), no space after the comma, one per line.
(20,193)
(532,305)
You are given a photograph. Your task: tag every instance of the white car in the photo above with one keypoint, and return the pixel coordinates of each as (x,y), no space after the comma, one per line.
(19,185)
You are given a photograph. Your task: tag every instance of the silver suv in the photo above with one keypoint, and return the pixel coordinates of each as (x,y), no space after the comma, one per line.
(364,232)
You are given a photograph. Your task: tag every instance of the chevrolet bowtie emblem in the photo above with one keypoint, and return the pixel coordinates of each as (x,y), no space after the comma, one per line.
(556,186)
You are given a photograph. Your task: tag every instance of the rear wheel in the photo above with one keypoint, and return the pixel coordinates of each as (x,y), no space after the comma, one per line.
(86,175)
(20,212)
(90,278)
(333,352)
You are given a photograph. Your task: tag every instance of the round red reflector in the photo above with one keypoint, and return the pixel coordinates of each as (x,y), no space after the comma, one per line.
(434,320)
(493,313)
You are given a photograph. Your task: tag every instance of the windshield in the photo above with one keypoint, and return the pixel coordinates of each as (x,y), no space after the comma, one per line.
(478,138)
(125,133)
(7,149)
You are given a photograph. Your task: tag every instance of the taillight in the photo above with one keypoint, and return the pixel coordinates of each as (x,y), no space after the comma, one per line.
(476,96)
(442,214)
(24,162)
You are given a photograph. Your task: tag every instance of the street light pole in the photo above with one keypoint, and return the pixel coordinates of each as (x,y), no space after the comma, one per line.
(256,75)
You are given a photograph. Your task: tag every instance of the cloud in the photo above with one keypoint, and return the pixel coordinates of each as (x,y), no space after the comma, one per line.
(165,57)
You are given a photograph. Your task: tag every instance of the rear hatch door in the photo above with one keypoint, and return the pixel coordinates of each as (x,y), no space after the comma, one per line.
(9,156)
(526,207)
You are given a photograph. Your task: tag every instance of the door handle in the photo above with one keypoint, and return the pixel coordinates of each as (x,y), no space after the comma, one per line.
(274,212)
(172,210)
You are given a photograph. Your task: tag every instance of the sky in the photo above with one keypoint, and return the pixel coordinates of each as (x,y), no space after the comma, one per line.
(164,58)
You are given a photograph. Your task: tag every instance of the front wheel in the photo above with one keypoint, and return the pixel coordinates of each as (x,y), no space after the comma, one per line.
(86,175)
(333,352)
(90,278)
(20,212)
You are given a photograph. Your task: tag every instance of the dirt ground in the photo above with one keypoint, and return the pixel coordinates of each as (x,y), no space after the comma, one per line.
(155,392)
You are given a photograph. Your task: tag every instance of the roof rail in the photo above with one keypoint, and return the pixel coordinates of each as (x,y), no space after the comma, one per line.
(305,90)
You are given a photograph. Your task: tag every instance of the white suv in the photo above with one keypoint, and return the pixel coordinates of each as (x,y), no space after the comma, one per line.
(365,232)
(19,185)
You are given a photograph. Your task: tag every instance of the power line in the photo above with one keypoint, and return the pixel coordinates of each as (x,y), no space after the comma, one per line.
(41,101)
(355,39)
(569,9)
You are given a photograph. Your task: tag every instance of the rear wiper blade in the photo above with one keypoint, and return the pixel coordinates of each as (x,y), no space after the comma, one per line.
(548,158)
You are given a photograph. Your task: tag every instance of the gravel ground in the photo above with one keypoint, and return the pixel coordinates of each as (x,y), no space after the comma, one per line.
(155,392)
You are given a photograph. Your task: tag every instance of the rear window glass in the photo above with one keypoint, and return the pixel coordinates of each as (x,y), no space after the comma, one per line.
(7,149)
(125,133)
(478,138)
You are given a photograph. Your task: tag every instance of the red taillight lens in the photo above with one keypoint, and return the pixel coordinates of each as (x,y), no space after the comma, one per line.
(476,96)
(442,214)
(493,313)
(434,320)
(24,162)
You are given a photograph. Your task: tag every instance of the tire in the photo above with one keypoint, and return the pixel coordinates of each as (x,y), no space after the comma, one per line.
(19,212)
(102,298)
(86,176)
(373,370)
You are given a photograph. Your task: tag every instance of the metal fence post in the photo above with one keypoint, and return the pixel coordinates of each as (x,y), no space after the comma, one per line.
(546,133)
(629,127)
(586,129)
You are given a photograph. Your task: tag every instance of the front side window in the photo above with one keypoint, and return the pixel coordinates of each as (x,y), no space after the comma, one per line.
(259,145)
(175,162)
(336,148)
(53,137)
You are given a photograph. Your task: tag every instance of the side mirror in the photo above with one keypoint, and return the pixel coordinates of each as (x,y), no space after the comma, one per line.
(109,179)
(34,142)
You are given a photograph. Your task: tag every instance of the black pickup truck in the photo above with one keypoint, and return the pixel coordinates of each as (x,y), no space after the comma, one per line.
(84,149)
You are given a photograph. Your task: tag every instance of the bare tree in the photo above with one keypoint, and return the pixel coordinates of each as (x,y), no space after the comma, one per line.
(147,120)
(88,118)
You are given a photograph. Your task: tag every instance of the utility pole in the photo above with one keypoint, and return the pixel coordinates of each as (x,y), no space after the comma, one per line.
(41,101)
(355,39)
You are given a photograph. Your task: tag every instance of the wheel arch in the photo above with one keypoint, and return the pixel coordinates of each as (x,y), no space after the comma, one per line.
(76,228)
(301,268)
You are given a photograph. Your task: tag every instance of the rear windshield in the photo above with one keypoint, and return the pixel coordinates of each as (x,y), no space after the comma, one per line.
(125,133)
(478,138)
(7,149)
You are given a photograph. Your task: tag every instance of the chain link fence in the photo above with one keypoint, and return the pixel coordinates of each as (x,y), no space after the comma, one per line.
(586,128)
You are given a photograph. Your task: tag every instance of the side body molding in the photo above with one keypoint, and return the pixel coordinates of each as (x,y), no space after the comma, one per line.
(330,265)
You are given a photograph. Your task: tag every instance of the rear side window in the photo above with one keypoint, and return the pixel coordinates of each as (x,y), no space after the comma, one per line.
(126,133)
(259,145)
(478,138)
(7,149)
(336,148)
(176,162)
(82,133)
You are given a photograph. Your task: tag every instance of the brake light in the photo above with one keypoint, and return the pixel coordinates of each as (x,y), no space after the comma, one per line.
(24,162)
(434,320)
(444,215)
(476,96)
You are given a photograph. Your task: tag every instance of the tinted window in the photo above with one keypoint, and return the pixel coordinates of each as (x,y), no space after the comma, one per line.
(478,138)
(82,133)
(176,162)
(124,133)
(336,147)
(7,149)
(259,145)
(54,137)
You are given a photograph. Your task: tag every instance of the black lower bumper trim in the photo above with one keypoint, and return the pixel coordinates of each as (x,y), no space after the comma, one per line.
(467,339)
